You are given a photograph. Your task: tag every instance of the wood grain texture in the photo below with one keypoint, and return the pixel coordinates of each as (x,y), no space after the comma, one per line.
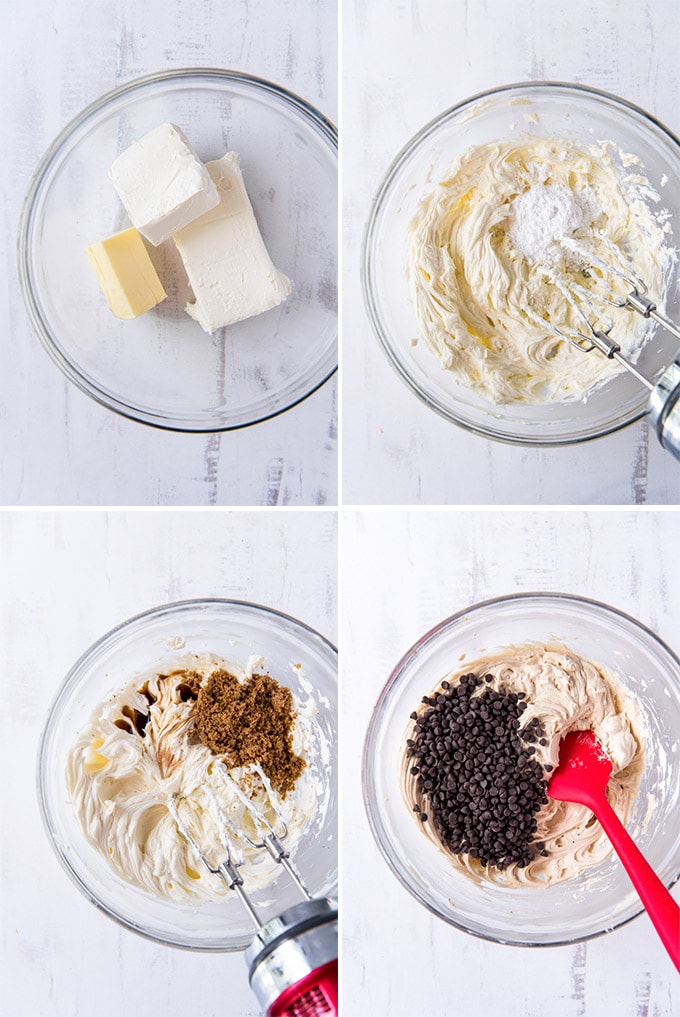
(56,445)
(404,63)
(67,578)
(404,573)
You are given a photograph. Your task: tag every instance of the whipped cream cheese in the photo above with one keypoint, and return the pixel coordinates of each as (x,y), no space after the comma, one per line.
(229,269)
(162,183)
(566,693)
(487,293)
(123,783)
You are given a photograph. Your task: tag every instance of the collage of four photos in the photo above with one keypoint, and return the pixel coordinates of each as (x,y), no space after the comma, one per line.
(339,509)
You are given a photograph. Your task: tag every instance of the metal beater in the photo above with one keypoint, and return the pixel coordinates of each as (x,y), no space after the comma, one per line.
(293,958)
(663,407)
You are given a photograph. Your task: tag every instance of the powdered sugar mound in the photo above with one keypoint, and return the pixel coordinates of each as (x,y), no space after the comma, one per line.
(547,214)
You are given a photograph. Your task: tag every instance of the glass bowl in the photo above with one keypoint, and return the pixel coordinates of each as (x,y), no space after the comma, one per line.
(233,630)
(569,111)
(602,897)
(162,368)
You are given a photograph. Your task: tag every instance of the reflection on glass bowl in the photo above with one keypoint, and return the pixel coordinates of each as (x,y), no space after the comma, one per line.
(232,630)
(573,112)
(161,368)
(602,897)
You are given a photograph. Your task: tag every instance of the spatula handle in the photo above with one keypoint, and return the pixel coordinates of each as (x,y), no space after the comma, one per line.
(660,906)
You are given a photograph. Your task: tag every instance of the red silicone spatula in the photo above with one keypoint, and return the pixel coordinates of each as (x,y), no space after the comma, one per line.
(582,776)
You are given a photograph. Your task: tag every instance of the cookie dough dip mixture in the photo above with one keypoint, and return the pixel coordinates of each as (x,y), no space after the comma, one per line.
(504,251)
(479,752)
(199,738)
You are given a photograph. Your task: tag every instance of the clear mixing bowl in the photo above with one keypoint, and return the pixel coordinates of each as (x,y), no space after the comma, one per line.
(602,897)
(233,630)
(161,368)
(568,111)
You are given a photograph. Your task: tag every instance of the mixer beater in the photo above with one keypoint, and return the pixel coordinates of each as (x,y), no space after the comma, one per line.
(663,407)
(293,958)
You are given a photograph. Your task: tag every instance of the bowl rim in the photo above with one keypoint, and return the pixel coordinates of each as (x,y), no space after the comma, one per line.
(317,120)
(368,755)
(368,256)
(44,808)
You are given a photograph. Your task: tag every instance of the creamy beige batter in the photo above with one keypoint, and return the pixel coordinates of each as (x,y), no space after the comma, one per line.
(566,693)
(121,785)
(486,304)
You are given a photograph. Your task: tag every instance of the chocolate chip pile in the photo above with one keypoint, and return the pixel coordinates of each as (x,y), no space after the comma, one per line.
(475,774)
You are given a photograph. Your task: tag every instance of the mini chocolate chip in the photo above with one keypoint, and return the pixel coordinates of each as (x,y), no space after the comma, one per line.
(475,771)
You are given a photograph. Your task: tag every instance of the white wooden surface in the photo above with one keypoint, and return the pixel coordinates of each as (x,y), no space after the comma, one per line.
(66,579)
(404,62)
(58,447)
(403,573)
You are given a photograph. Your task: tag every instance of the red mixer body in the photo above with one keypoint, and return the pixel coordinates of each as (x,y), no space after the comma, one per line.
(293,961)
(315,995)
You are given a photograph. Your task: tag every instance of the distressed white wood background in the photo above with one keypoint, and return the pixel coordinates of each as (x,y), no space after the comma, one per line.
(403,573)
(58,447)
(404,62)
(67,578)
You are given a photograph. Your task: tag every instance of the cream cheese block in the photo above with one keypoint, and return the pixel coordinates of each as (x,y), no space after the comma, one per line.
(162,183)
(229,268)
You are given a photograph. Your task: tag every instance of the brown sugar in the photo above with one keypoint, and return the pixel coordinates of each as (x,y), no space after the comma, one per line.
(250,722)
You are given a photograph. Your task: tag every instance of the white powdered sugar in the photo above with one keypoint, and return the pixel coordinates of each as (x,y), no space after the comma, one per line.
(547,214)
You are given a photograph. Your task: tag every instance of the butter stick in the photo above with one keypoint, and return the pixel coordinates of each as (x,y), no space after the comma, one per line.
(126,274)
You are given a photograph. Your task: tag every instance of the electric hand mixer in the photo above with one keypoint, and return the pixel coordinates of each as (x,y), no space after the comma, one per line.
(293,958)
(663,407)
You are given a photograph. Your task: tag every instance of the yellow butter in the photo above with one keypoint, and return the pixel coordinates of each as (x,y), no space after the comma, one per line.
(95,761)
(126,274)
